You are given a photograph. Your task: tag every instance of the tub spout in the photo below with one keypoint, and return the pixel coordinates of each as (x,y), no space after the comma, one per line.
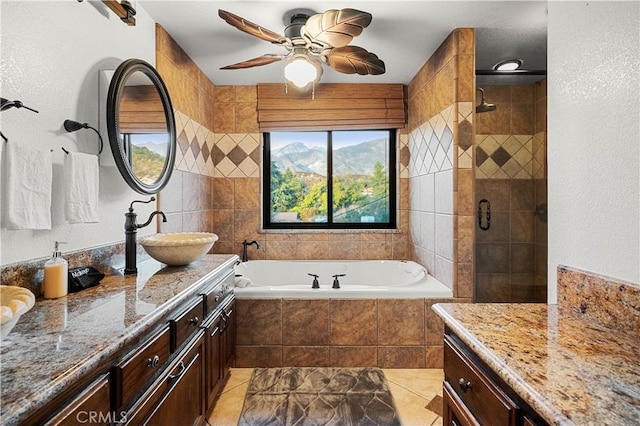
(244,248)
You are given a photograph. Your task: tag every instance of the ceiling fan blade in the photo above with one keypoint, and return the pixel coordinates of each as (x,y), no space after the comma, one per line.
(251,28)
(255,62)
(335,27)
(355,60)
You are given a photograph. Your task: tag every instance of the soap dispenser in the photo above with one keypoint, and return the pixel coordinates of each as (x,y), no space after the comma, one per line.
(55,275)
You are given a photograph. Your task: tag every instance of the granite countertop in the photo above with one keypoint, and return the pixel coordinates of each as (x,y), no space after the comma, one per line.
(569,368)
(59,341)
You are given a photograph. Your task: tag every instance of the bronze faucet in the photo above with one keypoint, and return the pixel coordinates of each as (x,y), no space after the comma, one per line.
(244,248)
(130,232)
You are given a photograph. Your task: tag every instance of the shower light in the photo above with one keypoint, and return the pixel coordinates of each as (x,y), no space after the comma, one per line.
(508,65)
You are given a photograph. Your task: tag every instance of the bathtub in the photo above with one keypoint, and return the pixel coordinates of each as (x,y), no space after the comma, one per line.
(363,279)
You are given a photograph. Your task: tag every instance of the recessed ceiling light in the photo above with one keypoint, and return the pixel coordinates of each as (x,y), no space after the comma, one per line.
(508,65)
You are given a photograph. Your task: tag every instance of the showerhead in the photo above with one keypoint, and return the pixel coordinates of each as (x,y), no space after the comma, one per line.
(484,106)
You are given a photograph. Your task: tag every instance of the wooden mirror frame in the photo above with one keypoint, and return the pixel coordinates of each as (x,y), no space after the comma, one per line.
(116,88)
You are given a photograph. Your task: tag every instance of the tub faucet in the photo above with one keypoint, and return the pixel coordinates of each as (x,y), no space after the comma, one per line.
(336,283)
(130,232)
(244,248)
(315,283)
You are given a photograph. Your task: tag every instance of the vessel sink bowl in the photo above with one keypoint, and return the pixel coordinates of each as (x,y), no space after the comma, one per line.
(15,301)
(180,248)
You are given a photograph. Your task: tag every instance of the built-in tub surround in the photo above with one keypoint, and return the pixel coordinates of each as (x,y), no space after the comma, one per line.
(62,341)
(360,279)
(386,333)
(396,329)
(575,362)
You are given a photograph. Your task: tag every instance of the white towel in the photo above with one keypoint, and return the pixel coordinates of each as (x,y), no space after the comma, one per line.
(243,282)
(81,184)
(29,176)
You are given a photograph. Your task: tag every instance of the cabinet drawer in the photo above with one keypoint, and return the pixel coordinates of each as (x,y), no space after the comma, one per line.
(91,406)
(137,370)
(188,322)
(215,295)
(177,396)
(455,412)
(488,404)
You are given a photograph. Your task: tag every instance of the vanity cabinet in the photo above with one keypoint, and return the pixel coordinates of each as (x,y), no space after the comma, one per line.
(474,395)
(90,406)
(219,335)
(177,397)
(169,374)
(136,371)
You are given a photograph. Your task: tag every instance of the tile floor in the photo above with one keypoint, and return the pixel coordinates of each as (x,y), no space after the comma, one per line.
(412,390)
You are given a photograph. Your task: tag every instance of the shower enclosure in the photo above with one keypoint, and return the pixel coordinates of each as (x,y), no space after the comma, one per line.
(511,193)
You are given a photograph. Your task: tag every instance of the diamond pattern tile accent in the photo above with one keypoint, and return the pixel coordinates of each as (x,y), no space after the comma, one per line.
(508,156)
(481,156)
(431,145)
(195,148)
(465,160)
(183,141)
(500,156)
(237,155)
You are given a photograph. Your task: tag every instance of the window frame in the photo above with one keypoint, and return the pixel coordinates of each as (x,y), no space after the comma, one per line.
(329,225)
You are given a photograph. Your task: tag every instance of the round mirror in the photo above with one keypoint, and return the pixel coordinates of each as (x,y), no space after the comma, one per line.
(141,126)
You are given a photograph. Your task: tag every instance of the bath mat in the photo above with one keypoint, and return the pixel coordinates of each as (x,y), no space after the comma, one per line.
(318,396)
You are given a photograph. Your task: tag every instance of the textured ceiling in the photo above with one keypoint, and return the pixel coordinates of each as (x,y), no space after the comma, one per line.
(404,34)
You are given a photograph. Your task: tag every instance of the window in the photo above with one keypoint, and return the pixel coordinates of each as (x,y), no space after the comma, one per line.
(147,154)
(329,180)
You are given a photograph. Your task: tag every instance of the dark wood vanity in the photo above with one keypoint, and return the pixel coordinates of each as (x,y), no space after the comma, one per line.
(474,395)
(537,364)
(169,374)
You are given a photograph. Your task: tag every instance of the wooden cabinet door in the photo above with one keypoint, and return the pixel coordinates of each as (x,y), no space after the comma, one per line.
(177,398)
(228,337)
(456,413)
(91,406)
(213,364)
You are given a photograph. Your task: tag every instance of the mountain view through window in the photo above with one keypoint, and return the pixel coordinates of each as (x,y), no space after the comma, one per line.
(337,178)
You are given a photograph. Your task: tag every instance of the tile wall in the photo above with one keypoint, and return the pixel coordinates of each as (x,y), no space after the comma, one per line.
(511,174)
(216,188)
(441,163)
(216,184)
(386,333)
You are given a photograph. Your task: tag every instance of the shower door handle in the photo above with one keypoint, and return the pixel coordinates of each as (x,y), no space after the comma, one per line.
(486,202)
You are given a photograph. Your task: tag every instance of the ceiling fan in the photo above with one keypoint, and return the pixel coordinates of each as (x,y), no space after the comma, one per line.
(312,39)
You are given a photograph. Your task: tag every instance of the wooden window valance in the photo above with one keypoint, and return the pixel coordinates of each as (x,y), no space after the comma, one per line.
(336,106)
(141,110)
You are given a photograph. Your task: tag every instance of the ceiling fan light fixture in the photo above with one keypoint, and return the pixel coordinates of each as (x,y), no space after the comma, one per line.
(301,70)
(508,65)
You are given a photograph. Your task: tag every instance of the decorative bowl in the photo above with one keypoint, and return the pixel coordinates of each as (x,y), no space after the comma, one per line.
(15,301)
(180,248)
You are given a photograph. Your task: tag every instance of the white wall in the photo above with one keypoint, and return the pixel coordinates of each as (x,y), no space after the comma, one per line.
(51,54)
(594,138)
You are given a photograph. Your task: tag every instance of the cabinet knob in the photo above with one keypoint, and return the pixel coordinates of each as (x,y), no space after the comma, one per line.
(153,362)
(464,384)
(194,321)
